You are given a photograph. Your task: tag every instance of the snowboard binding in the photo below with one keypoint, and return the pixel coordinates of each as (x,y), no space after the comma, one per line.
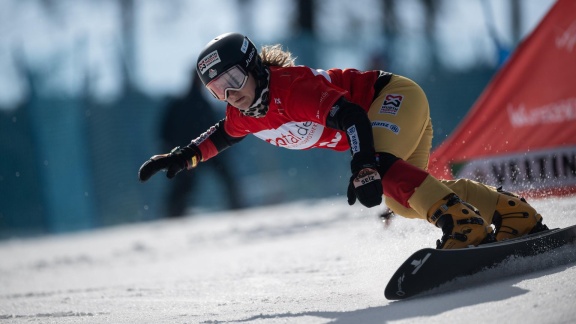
(514,217)
(460,222)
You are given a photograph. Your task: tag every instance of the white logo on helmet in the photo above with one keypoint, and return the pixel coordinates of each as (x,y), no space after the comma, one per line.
(250,56)
(208,61)
(244,47)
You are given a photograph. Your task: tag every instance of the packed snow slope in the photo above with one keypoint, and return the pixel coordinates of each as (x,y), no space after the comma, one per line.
(305,262)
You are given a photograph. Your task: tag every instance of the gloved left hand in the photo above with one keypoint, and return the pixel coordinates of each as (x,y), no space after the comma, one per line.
(174,162)
(366,185)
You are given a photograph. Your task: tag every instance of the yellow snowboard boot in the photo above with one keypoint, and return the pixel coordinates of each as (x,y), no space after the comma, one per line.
(460,222)
(514,217)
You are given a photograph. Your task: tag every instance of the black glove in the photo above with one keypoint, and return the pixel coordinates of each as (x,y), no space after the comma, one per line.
(174,162)
(366,185)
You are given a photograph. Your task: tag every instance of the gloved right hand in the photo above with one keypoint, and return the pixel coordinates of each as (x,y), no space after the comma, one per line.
(366,185)
(174,162)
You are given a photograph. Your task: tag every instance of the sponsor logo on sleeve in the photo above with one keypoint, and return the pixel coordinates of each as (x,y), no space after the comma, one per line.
(354,140)
(208,61)
(391,104)
(204,136)
(334,110)
(383,124)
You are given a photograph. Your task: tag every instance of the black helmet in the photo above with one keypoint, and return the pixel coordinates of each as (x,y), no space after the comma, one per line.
(224,52)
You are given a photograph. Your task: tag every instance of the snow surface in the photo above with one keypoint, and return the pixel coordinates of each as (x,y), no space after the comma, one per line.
(304,262)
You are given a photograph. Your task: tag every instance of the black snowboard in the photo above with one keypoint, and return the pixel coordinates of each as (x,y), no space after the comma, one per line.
(430,268)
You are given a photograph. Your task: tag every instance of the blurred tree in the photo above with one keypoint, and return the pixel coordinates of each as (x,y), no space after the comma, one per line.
(50,7)
(431,8)
(246,12)
(305,31)
(391,30)
(384,59)
(515,21)
(503,49)
(391,23)
(128,46)
(306,13)
(22,204)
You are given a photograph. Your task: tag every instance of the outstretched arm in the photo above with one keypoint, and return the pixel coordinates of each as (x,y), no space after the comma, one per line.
(214,141)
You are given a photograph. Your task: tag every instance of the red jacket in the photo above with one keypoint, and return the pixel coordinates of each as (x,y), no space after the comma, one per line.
(300,100)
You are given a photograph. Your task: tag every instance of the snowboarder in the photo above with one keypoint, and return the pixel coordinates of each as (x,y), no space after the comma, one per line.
(383,119)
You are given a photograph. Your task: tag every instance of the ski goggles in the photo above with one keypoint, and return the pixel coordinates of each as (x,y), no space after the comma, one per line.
(233,79)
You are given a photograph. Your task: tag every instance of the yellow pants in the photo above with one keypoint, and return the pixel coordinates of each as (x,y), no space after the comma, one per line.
(401,125)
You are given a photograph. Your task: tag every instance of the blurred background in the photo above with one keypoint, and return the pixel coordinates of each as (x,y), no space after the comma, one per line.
(85,86)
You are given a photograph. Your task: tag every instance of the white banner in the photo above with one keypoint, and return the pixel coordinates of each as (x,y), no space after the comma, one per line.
(538,170)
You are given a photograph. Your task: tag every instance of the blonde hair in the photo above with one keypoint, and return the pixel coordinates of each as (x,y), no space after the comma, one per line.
(274,55)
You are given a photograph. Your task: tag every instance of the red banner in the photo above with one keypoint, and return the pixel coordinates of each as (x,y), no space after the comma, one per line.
(521,133)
